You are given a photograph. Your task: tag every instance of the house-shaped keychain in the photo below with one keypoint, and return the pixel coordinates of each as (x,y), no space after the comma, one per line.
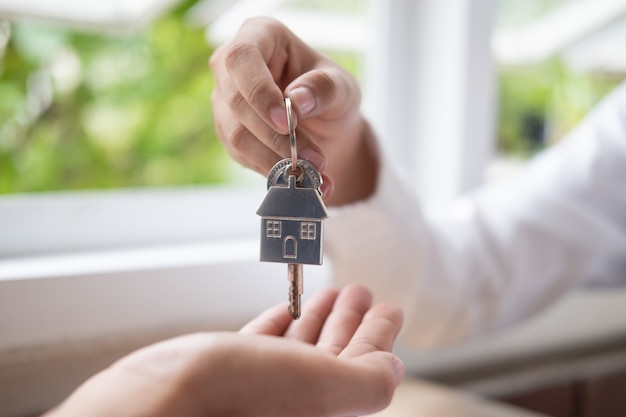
(291,224)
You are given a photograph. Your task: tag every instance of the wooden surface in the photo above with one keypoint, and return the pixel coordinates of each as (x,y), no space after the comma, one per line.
(415,398)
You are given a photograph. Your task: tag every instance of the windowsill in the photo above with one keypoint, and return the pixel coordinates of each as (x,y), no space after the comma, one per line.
(585,324)
(60,298)
(74,222)
(128,260)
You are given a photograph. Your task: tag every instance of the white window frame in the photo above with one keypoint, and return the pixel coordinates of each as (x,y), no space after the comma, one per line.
(436,110)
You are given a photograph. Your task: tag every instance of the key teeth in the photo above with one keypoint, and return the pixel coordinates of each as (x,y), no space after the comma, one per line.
(294,304)
(295,313)
(295,290)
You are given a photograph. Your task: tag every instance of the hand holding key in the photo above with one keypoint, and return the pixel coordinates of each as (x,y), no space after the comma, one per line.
(335,361)
(253,73)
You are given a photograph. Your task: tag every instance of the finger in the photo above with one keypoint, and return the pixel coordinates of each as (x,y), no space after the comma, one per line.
(272,322)
(377,331)
(346,316)
(245,148)
(239,126)
(260,46)
(256,129)
(314,315)
(328,187)
(240,143)
(227,97)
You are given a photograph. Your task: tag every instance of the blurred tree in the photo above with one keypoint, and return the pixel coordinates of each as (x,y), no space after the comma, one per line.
(83,110)
(538,105)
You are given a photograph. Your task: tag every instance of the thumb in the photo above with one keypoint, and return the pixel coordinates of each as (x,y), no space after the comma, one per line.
(328,92)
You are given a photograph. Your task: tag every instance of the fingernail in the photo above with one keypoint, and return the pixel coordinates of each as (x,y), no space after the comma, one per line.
(304,100)
(313,157)
(279,118)
(398,370)
(326,190)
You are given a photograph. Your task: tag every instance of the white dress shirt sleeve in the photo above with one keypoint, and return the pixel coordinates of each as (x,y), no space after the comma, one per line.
(504,252)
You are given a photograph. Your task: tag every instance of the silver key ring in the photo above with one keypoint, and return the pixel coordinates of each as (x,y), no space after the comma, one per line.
(292,135)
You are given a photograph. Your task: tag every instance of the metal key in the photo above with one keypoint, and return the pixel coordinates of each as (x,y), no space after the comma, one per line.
(292,214)
(294,275)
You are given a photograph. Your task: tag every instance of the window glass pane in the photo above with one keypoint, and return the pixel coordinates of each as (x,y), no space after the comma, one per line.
(549,74)
(93,110)
(81,110)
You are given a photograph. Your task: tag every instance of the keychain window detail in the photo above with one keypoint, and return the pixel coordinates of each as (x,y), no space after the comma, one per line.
(308,231)
(273,229)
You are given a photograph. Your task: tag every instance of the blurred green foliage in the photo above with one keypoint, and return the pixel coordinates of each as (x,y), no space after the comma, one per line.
(82,110)
(538,105)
